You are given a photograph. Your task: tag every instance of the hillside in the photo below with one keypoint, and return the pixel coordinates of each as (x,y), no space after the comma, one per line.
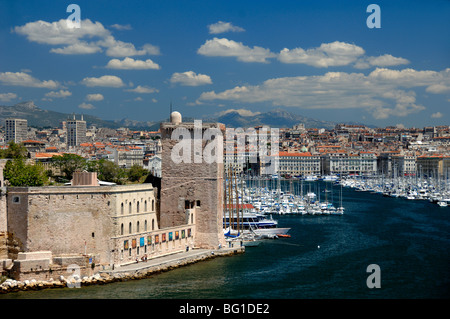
(274,118)
(38,117)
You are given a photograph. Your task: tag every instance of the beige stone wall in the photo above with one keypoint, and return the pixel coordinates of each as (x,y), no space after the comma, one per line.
(43,218)
(78,220)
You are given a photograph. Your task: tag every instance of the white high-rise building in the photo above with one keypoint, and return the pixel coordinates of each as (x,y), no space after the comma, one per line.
(16,130)
(76,131)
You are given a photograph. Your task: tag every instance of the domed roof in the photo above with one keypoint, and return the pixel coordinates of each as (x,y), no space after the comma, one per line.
(175,117)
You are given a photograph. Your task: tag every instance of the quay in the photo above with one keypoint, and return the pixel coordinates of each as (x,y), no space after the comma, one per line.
(171,261)
(132,271)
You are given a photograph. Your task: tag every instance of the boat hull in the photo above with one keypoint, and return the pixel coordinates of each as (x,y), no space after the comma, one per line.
(271,232)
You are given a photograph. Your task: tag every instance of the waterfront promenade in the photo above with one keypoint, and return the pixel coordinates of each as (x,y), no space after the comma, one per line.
(172,261)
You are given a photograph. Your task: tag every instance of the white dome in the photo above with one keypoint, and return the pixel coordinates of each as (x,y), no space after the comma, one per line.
(175,117)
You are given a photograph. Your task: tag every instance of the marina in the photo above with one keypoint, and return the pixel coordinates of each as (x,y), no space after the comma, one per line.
(312,196)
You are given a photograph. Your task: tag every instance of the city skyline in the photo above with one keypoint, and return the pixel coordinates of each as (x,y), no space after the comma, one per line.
(319,60)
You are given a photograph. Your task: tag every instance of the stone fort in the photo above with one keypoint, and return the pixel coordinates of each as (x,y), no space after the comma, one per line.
(45,229)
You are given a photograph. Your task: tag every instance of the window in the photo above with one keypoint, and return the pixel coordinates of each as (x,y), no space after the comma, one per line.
(16,199)
(129,208)
(153,224)
(121,229)
(145,206)
(121,208)
(137,207)
(137,227)
(145,225)
(129,228)
(153,204)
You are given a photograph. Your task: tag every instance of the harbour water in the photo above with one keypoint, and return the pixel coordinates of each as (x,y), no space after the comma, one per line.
(326,257)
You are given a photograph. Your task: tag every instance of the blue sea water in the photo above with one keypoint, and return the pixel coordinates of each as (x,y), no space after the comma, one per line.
(325,258)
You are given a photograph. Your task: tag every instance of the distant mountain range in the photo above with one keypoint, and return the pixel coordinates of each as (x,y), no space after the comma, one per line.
(40,118)
(274,118)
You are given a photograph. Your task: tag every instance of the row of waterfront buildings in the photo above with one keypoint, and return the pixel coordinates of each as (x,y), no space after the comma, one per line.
(347,149)
(390,164)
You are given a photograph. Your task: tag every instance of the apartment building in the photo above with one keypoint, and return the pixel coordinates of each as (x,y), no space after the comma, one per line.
(76,132)
(296,164)
(343,163)
(16,130)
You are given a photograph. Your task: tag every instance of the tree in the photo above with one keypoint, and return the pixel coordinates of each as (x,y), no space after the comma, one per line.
(14,151)
(136,172)
(20,174)
(69,163)
(110,172)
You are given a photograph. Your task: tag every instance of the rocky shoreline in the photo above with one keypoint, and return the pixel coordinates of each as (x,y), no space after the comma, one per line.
(11,285)
(105,277)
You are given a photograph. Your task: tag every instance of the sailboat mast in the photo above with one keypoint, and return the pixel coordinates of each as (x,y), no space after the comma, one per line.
(225,199)
(237,201)
(230,188)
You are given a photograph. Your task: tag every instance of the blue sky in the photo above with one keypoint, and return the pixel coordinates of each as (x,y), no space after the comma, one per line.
(131,59)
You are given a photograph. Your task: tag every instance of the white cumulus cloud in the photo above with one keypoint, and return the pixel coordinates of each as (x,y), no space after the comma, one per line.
(6,97)
(95,97)
(121,26)
(437,115)
(222,27)
(78,48)
(91,37)
(24,79)
(190,78)
(105,80)
(328,54)
(143,89)
(381,61)
(59,32)
(132,64)
(58,94)
(438,88)
(229,48)
(117,48)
